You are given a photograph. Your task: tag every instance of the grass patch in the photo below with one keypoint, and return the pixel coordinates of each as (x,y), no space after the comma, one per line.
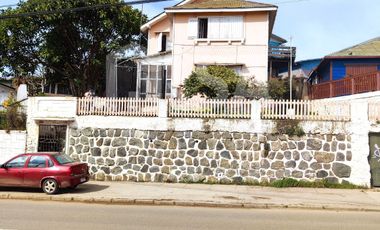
(290,182)
(283,183)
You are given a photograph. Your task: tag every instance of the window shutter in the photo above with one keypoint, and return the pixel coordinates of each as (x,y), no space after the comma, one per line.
(213,27)
(159,42)
(225,27)
(192,29)
(237,27)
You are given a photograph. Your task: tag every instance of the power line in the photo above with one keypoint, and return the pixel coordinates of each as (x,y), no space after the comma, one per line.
(78,9)
(290,1)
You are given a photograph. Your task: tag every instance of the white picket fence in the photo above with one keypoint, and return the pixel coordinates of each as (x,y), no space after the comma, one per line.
(214,108)
(199,108)
(374,111)
(306,110)
(108,106)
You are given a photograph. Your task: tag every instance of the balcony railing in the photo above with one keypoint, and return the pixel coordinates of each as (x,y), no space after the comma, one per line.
(347,86)
(282,52)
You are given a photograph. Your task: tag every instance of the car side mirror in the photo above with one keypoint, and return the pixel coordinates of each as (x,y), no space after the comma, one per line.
(3,166)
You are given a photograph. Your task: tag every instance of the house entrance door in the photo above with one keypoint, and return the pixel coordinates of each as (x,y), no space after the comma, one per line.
(374,158)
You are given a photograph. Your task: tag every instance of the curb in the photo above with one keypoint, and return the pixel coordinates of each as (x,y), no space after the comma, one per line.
(184,203)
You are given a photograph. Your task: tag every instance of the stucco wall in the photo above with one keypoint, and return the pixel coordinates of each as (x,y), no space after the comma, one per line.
(11,144)
(252,53)
(160,27)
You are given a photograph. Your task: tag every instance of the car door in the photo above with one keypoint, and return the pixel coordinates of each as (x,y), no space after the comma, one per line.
(35,170)
(12,173)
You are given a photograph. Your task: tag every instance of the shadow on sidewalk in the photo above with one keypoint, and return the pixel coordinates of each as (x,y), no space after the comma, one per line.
(81,189)
(86,188)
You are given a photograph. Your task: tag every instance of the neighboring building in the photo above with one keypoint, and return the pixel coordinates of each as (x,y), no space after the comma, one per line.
(5,90)
(280,56)
(198,33)
(350,71)
(301,69)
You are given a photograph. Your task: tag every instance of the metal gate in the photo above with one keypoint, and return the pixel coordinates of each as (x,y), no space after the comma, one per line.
(374,158)
(52,138)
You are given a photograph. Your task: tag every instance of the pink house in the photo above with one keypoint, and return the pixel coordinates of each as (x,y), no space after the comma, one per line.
(198,33)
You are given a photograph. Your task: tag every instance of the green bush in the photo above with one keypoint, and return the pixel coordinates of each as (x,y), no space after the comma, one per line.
(222,82)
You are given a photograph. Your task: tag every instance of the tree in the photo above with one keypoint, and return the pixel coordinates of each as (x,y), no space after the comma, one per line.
(66,47)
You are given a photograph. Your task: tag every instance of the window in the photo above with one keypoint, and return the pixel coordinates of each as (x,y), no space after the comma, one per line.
(63,159)
(202,27)
(37,162)
(229,27)
(162,42)
(154,80)
(18,162)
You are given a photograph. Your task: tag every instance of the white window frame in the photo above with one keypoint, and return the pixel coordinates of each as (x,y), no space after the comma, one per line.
(192,28)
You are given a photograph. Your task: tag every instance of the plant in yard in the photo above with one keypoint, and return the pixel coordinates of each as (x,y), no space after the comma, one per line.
(290,127)
(278,89)
(222,82)
(12,118)
(202,82)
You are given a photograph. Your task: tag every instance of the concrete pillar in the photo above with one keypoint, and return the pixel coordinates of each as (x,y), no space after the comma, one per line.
(360,126)
(256,115)
(163,108)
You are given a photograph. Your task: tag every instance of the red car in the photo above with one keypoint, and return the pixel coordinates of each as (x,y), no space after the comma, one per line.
(49,171)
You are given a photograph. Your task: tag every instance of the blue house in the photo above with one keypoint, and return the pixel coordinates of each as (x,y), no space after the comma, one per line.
(350,71)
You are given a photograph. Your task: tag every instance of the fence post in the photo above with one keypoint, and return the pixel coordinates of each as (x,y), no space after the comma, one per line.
(256,115)
(163,108)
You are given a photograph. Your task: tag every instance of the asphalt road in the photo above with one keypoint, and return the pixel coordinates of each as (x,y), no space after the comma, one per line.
(56,215)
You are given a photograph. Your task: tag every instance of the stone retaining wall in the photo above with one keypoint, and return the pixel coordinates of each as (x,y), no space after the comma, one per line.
(169,156)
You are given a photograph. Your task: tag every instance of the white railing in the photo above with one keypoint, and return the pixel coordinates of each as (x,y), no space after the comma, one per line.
(199,108)
(321,110)
(306,110)
(108,106)
(374,111)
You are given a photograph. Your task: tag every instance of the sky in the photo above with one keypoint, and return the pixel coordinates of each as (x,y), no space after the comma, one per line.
(317,27)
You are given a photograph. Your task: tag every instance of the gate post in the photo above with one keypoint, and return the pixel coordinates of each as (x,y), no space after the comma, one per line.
(358,133)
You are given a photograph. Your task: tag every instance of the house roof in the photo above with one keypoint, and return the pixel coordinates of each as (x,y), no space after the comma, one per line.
(214,6)
(365,49)
(278,38)
(221,4)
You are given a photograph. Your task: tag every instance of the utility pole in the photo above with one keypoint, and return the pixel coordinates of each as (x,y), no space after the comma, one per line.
(291,69)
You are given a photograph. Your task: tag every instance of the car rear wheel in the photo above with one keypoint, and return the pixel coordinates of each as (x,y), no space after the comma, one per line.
(50,186)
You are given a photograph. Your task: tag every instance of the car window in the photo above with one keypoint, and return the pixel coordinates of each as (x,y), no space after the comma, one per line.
(37,162)
(50,162)
(18,162)
(63,159)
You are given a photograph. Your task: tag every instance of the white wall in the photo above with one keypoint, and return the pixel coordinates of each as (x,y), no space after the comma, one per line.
(11,144)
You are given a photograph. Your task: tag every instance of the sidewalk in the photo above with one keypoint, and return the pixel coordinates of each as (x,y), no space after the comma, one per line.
(226,196)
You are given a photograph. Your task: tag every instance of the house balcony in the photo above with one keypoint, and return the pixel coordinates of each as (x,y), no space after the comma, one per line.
(362,83)
(281,52)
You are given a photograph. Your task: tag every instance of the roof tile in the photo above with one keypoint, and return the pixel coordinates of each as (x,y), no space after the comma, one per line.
(368,48)
(219,4)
